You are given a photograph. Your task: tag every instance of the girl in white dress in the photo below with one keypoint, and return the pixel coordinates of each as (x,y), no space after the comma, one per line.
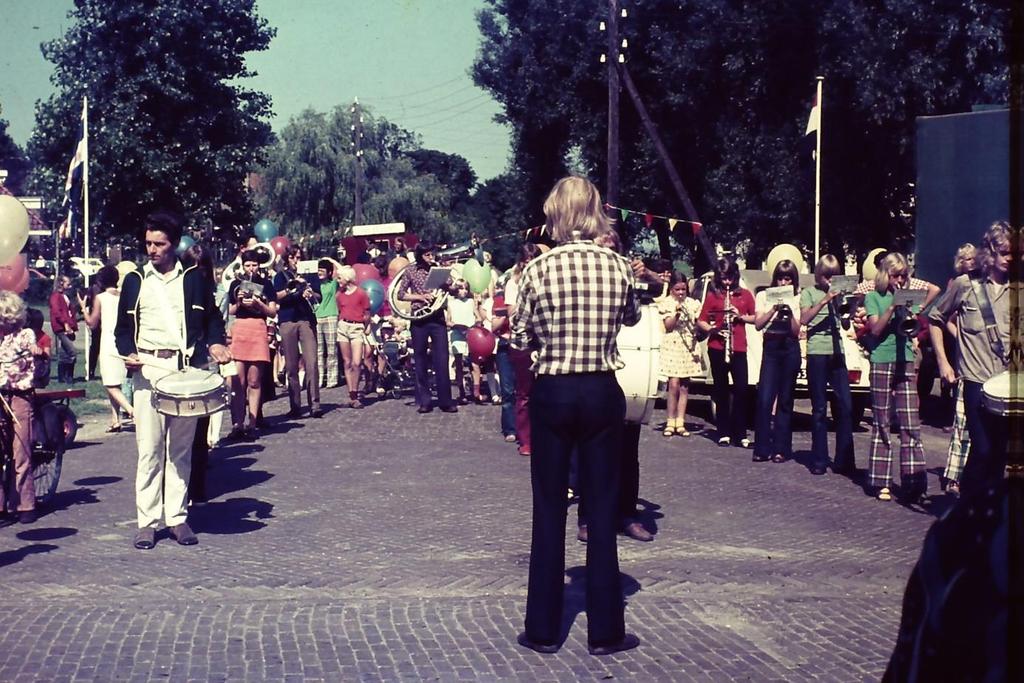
(680,356)
(103,316)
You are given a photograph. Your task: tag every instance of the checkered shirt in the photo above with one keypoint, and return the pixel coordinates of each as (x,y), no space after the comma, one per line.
(572,302)
(866,286)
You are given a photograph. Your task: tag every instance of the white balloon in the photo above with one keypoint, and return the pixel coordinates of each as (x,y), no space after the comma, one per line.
(13,227)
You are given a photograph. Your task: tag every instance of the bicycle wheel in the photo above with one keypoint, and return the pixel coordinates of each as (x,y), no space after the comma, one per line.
(46,466)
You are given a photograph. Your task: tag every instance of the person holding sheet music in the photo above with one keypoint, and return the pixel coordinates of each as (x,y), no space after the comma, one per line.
(894,378)
(252,300)
(429,331)
(980,306)
(775,313)
(826,367)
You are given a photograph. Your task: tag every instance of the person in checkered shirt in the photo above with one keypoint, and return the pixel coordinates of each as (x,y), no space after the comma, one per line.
(572,302)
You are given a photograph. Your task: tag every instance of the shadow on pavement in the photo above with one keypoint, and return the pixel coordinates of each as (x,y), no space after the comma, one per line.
(47,533)
(576,595)
(9,557)
(231,474)
(62,500)
(648,515)
(97,481)
(232,516)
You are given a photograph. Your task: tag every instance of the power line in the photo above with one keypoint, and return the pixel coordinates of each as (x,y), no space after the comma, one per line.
(427,115)
(416,92)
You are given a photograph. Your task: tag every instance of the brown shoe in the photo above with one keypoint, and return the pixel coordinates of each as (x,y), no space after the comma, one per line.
(183,534)
(637,531)
(581,534)
(145,538)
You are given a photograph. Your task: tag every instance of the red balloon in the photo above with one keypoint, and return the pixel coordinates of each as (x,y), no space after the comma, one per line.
(280,244)
(364,272)
(22,284)
(481,342)
(11,274)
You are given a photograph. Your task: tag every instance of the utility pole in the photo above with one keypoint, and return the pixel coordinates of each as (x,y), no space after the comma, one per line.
(611,57)
(357,146)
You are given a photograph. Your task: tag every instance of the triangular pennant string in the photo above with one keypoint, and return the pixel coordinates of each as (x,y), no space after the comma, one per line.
(648,219)
(624,213)
(672,224)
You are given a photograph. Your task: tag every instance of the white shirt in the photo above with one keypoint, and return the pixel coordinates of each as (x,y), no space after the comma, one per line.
(161,308)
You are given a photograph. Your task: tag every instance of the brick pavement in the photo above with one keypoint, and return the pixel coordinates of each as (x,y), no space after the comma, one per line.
(385,545)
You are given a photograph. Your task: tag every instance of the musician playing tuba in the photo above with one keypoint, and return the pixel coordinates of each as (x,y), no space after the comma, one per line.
(727,309)
(426,330)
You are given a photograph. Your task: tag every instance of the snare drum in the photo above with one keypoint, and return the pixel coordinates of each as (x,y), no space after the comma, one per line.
(639,347)
(191,393)
(1002,395)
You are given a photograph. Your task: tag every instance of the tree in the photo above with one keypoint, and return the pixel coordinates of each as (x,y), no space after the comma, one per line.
(170,123)
(12,160)
(729,86)
(309,178)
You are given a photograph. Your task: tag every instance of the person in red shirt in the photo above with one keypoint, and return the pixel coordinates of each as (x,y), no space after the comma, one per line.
(64,325)
(353,319)
(726,302)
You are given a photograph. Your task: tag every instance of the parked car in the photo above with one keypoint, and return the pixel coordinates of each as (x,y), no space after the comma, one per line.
(857,358)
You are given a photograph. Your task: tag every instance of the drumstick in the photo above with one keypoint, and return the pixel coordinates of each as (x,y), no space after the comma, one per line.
(7,407)
(139,361)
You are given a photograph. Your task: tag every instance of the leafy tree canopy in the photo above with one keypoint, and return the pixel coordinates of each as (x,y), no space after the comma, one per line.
(170,123)
(13,160)
(729,86)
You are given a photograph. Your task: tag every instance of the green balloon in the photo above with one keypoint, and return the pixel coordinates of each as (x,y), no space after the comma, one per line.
(478,277)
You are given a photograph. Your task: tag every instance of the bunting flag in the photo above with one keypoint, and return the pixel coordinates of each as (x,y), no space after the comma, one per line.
(649,218)
(73,199)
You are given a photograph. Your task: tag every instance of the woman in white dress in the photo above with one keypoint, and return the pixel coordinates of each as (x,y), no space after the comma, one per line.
(102,316)
(680,356)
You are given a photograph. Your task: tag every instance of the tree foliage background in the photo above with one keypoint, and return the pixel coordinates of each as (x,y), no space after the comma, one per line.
(308,183)
(13,159)
(170,123)
(730,84)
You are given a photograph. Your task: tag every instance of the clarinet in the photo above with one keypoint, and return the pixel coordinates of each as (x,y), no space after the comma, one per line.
(728,327)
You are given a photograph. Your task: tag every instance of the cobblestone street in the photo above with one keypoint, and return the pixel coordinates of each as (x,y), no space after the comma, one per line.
(386,545)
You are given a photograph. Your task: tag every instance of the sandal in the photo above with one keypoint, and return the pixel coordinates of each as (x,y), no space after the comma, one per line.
(670,429)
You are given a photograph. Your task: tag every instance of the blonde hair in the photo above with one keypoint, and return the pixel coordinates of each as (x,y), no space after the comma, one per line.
(610,239)
(999,234)
(346,273)
(827,266)
(964,251)
(574,211)
(894,262)
(12,311)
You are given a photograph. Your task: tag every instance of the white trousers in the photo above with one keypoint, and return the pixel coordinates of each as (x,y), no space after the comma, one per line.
(165,453)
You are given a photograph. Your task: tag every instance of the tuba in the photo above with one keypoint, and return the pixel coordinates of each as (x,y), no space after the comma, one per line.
(408,309)
(234,269)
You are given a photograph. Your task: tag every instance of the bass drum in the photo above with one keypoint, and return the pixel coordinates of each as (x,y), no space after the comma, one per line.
(1002,396)
(640,347)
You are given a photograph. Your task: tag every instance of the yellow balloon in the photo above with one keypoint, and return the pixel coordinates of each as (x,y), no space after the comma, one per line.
(783,252)
(868,270)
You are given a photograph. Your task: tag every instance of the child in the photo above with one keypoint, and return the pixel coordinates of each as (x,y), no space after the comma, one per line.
(41,373)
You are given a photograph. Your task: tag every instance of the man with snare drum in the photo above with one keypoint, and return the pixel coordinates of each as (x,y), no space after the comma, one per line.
(166,320)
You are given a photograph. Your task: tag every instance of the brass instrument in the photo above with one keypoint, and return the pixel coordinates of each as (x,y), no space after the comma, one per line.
(409,310)
(906,322)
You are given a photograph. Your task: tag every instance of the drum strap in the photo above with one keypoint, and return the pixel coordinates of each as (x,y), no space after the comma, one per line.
(991,329)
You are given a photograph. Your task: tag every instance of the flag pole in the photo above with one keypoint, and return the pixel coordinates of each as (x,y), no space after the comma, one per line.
(85,216)
(817,176)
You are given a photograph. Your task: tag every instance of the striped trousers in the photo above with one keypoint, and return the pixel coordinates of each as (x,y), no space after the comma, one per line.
(960,441)
(895,382)
(327,344)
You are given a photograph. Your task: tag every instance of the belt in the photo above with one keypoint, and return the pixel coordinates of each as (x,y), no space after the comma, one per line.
(352,322)
(161,353)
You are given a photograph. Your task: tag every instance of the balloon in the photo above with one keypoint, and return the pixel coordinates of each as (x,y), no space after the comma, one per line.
(265,230)
(481,342)
(280,244)
(396,265)
(364,272)
(783,252)
(456,271)
(476,275)
(183,244)
(868,270)
(375,291)
(22,283)
(11,273)
(13,227)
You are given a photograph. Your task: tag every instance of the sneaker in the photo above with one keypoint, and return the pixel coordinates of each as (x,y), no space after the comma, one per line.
(724,441)
(744,443)
(496,400)
(380,391)
(884,493)
(510,438)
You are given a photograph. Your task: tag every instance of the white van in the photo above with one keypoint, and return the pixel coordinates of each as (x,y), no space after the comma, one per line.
(857,359)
